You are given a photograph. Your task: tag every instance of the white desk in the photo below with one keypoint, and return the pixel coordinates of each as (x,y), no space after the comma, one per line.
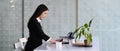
(67,47)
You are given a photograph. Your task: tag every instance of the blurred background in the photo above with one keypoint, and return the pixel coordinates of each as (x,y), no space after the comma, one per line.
(63,17)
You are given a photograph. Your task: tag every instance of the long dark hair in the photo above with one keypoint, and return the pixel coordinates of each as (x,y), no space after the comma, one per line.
(39,11)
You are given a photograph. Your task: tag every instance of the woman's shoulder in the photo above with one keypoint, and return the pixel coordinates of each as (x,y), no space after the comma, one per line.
(32,20)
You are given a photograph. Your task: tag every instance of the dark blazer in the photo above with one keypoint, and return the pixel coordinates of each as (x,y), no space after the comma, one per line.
(36,35)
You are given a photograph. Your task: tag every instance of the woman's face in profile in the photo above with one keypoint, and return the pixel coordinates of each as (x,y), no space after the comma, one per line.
(43,15)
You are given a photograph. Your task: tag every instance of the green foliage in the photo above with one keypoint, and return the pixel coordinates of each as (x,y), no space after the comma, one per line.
(85,31)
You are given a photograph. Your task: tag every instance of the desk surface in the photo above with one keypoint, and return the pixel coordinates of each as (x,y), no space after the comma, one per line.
(67,47)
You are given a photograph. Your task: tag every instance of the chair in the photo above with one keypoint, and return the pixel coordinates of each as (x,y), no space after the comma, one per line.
(19,46)
(23,42)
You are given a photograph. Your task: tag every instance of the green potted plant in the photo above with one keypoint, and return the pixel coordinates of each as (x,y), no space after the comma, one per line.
(84,30)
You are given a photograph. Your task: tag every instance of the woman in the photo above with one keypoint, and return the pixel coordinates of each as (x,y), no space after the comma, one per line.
(35,30)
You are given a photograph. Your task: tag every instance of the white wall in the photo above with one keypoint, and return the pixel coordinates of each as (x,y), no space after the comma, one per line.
(10,24)
(106,14)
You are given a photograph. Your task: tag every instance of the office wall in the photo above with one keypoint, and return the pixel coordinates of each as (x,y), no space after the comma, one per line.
(10,24)
(106,14)
(60,19)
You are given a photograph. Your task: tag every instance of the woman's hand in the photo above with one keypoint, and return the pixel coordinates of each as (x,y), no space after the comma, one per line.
(59,40)
(53,41)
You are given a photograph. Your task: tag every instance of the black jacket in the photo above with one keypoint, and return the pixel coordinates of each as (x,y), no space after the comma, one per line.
(36,35)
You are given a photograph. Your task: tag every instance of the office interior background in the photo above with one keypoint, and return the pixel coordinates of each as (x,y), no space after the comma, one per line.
(62,18)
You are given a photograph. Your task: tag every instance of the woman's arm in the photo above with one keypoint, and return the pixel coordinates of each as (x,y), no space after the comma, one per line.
(52,41)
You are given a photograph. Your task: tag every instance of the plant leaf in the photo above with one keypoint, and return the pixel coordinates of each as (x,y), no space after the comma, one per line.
(79,35)
(88,28)
(76,36)
(76,30)
(90,22)
(86,25)
(82,30)
(89,37)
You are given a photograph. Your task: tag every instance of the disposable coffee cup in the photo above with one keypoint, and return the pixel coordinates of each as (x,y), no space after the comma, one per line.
(58,45)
